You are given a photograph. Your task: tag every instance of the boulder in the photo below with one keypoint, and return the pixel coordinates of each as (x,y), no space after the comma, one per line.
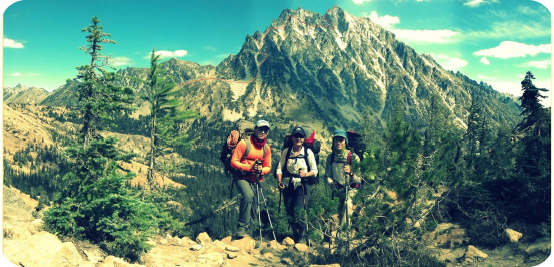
(196,247)
(246,244)
(227,240)
(203,239)
(112,261)
(232,248)
(273,244)
(514,236)
(268,255)
(288,242)
(474,254)
(301,247)
(43,249)
(327,265)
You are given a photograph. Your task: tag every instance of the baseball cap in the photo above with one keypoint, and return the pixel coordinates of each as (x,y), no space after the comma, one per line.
(262,123)
(299,130)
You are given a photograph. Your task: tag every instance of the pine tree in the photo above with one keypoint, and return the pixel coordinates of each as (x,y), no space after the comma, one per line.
(534,159)
(95,204)
(164,117)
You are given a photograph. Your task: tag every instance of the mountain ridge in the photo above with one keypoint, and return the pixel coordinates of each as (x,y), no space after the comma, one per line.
(333,75)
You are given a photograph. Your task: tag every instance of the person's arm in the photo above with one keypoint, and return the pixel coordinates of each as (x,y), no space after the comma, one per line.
(311,162)
(237,156)
(329,170)
(282,163)
(356,176)
(266,166)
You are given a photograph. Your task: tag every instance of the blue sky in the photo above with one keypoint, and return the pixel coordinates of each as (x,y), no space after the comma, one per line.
(495,41)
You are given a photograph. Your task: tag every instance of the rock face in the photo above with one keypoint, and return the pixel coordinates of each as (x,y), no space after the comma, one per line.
(341,69)
(24,95)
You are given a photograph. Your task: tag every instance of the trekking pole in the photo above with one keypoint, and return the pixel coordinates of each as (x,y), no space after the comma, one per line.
(279,210)
(304,198)
(258,206)
(266,210)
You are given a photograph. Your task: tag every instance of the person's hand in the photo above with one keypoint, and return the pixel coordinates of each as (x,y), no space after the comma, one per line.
(281,185)
(331,182)
(302,173)
(347,169)
(256,168)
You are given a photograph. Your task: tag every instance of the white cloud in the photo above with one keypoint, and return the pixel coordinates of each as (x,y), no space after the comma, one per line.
(19,74)
(210,48)
(385,21)
(485,77)
(485,61)
(166,54)
(513,29)
(450,63)
(476,3)
(509,49)
(542,64)
(9,43)
(359,2)
(425,36)
(120,61)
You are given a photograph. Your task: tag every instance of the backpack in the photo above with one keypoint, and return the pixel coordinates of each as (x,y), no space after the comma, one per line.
(356,144)
(309,143)
(243,130)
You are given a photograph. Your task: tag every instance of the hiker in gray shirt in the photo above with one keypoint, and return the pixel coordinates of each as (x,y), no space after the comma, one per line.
(339,173)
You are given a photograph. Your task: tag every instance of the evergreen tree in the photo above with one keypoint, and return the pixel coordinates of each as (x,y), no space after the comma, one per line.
(95,204)
(164,117)
(533,161)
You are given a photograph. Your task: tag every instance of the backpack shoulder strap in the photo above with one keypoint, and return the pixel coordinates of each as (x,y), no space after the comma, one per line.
(306,157)
(248,147)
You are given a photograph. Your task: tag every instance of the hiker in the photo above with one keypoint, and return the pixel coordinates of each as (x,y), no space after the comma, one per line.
(339,173)
(249,171)
(296,167)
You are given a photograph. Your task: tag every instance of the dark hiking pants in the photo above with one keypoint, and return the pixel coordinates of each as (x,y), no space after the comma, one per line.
(294,203)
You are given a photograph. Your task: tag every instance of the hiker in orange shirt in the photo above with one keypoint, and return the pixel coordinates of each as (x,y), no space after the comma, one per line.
(244,159)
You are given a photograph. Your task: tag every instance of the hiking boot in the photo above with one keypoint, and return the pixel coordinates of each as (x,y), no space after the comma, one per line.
(241,232)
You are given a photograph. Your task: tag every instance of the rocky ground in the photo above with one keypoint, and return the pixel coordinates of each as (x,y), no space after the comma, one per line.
(25,244)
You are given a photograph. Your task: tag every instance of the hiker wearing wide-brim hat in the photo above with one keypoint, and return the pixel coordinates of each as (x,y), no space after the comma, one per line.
(296,166)
(340,174)
(244,159)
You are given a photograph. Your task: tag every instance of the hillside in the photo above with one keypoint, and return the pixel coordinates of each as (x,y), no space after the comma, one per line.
(24,95)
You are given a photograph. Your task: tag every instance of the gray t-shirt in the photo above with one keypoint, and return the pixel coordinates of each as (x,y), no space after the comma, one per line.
(334,170)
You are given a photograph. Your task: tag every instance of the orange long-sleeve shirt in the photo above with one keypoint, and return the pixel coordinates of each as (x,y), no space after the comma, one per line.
(246,164)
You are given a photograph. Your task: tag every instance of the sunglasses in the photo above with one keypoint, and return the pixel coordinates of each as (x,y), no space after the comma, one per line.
(298,135)
(264,129)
